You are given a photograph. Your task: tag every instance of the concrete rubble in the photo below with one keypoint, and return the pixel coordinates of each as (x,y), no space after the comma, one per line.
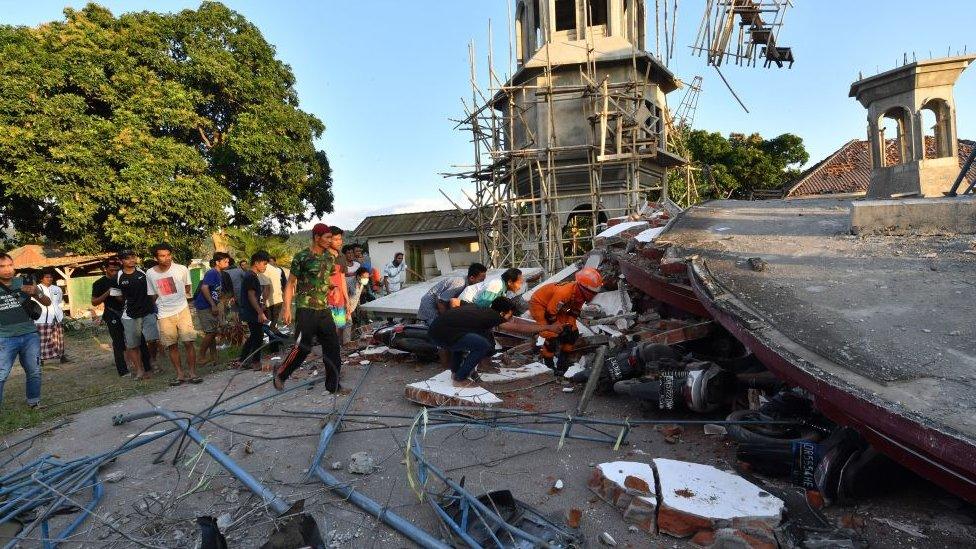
(684,499)
(657,374)
(440,391)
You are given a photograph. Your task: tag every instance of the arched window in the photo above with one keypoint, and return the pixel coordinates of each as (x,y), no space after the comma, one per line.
(578,232)
(894,129)
(936,129)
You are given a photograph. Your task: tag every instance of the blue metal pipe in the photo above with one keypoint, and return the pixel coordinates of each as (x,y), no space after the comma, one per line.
(97,492)
(334,425)
(391,519)
(271,499)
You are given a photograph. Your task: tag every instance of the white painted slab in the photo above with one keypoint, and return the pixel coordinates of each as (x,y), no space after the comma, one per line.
(576,368)
(406,302)
(620,228)
(563,274)
(441,384)
(618,471)
(613,302)
(705,491)
(649,235)
(442,258)
(513,374)
(607,330)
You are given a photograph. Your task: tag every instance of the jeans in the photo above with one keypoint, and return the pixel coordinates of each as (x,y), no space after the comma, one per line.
(312,325)
(28,348)
(117,333)
(255,340)
(476,346)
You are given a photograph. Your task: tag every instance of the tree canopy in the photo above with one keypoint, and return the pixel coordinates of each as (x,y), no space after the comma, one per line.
(735,166)
(122,131)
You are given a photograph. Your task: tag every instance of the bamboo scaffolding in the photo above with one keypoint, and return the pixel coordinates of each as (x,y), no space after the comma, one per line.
(526,182)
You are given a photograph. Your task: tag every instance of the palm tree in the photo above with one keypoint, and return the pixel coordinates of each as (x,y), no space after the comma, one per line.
(243,244)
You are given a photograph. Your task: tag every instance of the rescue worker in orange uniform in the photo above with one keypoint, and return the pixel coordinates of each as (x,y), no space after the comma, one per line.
(560,303)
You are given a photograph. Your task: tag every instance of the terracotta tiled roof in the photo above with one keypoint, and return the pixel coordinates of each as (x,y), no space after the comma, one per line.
(35,256)
(848,170)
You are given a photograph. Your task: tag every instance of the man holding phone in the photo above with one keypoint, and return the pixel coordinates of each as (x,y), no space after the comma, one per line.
(18,333)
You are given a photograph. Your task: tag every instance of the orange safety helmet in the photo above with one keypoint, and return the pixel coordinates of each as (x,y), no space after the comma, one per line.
(590,278)
(375,275)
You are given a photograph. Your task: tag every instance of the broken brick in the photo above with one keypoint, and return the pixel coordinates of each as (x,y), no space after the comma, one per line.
(744,537)
(704,538)
(638,484)
(573,517)
(673,267)
(652,252)
(628,485)
(815,499)
(680,523)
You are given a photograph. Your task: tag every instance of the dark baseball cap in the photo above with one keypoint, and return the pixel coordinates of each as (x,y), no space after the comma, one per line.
(320,229)
(126,253)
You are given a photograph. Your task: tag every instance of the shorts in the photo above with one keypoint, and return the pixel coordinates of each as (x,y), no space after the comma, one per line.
(209,323)
(339,316)
(137,328)
(176,328)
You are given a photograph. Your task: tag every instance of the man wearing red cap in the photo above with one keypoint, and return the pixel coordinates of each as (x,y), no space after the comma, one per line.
(309,286)
(560,304)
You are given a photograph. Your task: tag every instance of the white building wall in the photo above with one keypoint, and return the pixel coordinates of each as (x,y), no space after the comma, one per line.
(381,250)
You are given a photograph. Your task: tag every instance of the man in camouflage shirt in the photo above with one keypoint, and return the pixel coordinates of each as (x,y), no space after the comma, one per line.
(311,289)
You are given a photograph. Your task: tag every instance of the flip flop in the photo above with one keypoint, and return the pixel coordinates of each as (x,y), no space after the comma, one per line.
(195,380)
(177,382)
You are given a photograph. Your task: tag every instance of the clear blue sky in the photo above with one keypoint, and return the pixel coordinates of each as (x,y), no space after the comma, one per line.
(386,77)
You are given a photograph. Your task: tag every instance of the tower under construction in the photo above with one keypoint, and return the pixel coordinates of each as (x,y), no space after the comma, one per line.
(576,136)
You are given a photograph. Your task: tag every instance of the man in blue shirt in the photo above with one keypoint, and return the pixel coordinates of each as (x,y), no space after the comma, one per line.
(207,303)
(18,333)
(438,297)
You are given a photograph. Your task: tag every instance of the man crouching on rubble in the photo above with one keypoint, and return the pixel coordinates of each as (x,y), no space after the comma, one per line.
(560,304)
(467,329)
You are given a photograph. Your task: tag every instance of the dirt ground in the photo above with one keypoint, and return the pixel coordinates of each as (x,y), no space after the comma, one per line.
(89,380)
(157,503)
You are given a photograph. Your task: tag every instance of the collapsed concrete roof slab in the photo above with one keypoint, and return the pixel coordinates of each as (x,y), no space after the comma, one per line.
(406,302)
(878,328)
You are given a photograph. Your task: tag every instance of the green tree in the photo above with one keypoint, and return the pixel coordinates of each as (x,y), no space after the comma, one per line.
(733,167)
(122,131)
(244,243)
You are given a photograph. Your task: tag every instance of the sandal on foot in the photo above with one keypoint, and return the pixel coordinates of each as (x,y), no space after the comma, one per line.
(278,384)
(195,380)
(177,382)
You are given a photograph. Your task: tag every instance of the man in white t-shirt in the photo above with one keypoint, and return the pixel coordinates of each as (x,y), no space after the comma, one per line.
(276,275)
(395,274)
(169,284)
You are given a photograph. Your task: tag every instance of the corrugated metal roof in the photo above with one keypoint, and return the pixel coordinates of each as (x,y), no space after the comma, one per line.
(439,221)
(848,170)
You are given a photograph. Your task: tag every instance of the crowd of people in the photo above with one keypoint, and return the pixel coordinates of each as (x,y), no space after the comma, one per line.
(148,311)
